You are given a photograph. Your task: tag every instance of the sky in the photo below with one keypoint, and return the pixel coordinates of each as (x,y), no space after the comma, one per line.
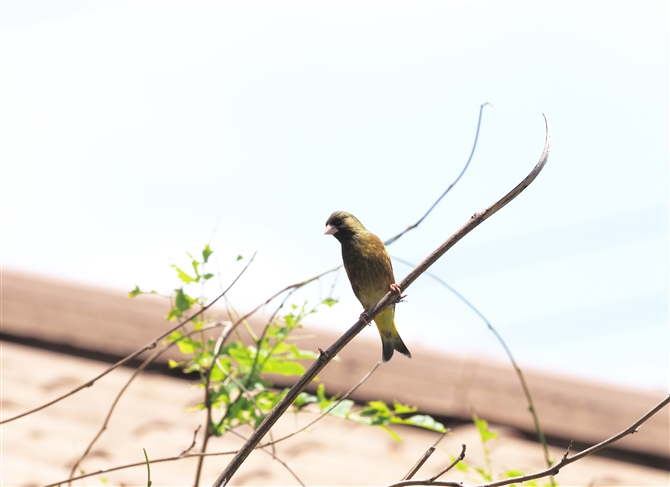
(134,132)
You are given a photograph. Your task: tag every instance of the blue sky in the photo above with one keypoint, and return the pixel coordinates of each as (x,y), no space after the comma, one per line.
(133,132)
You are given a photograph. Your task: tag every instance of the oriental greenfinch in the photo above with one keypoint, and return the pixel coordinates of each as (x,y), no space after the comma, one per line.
(370,273)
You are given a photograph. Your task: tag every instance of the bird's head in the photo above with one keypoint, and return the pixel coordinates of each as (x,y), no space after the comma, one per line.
(343,225)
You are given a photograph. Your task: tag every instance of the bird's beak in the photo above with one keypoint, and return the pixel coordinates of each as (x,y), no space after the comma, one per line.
(330,230)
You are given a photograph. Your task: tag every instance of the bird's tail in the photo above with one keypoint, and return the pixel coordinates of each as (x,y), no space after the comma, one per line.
(391,341)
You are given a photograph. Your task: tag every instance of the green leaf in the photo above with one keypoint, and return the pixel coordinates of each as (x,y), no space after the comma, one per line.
(380,407)
(343,409)
(242,410)
(329,302)
(272,366)
(239,257)
(174,313)
(172,364)
(278,331)
(208,276)
(484,431)
(186,346)
(422,421)
(242,355)
(513,473)
(483,473)
(303,399)
(222,364)
(403,408)
(393,434)
(291,351)
(267,399)
(195,264)
(206,252)
(182,275)
(321,395)
(256,383)
(134,292)
(183,301)
(174,336)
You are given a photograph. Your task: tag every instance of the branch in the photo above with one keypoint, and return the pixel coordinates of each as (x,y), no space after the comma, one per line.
(390,298)
(186,453)
(566,460)
(472,153)
(127,359)
(327,411)
(426,456)
(273,455)
(134,376)
(193,442)
(519,372)
(452,465)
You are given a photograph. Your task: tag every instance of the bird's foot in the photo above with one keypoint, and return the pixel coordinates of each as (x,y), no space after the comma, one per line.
(365,317)
(396,289)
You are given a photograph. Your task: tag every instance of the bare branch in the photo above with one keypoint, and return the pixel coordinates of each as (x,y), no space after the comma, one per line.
(472,153)
(186,454)
(565,460)
(225,333)
(130,380)
(420,463)
(390,298)
(519,372)
(195,437)
(273,455)
(102,429)
(138,464)
(424,457)
(453,464)
(327,411)
(148,346)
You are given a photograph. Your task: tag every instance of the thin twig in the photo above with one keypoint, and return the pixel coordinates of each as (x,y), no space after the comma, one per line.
(419,463)
(453,464)
(130,357)
(225,334)
(273,455)
(193,442)
(565,460)
(279,293)
(185,453)
(472,153)
(138,464)
(130,380)
(424,457)
(110,412)
(519,372)
(327,411)
(390,298)
(207,433)
(146,458)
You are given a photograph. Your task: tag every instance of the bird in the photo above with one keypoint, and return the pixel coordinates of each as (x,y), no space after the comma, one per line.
(370,273)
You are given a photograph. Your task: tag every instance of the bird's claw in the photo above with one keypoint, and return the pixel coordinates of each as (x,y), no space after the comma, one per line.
(365,318)
(396,289)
